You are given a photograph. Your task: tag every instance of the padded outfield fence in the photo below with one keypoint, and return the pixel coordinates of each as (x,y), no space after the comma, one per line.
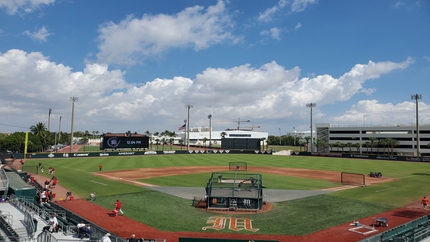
(234,191)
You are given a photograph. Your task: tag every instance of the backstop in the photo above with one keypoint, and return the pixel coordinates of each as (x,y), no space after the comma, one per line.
(234,191)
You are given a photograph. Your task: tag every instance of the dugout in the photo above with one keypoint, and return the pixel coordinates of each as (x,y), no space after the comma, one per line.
(234,191)
(19,187)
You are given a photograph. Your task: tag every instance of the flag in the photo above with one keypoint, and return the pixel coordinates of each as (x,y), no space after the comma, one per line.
(182,127)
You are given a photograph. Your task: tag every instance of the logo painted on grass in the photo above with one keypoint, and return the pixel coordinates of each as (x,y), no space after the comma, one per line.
(235,224)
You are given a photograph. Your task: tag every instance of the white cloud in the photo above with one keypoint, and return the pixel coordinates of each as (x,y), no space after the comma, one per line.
(14,6)
(134,39)
(300,5)
(40,35)
(371,112)
(298,26)
(108,103)
(293,6)
(274,33)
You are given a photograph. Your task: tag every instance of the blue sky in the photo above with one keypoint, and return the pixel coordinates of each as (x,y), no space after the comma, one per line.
(135,65)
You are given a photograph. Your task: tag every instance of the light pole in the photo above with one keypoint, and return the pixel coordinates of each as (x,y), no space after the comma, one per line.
(279,136)
(210,130)
(73,99)
(294,135)
(49,119)
(59,135)
(311,105)
(185,122)
(416,97)
(188,106)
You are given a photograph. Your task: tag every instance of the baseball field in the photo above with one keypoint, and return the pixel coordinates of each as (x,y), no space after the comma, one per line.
(304,194)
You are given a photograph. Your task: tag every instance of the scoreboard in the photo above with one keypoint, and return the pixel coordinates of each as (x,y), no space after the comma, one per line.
(123,141)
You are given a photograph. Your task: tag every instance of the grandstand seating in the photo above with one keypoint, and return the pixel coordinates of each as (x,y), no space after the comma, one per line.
(405,232)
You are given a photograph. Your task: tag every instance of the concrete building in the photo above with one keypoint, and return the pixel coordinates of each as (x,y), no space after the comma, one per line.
(367,139)
(197,134)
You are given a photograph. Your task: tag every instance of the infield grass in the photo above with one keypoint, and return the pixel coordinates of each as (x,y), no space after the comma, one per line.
(295,217)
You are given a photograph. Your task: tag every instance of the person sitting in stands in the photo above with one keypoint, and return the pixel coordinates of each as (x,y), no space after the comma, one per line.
(53,224)
(86,231)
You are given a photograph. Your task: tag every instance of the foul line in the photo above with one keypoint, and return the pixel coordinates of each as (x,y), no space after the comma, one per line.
(98,183)
(385,189)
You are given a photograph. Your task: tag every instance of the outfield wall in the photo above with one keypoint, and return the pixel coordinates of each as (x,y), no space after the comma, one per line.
(215,151)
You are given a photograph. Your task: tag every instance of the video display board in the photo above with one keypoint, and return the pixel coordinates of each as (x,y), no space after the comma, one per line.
(240,143)
(118,142)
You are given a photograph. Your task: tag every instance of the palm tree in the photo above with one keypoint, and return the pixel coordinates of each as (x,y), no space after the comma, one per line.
(171,142)
(204,141)
(41,132)
(331,145)
(156,142)
(181,141)
(373,142)
(391,143)
(307,138)
(349,145)
(367,144)
(38,129)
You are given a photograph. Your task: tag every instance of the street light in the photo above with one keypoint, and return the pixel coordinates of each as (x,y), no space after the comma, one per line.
(210,130)
(188,106)
(279,136)
(73,99)
(311,105)
(416,97)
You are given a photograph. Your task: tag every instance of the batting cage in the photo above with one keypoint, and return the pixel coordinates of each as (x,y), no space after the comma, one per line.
(234,191)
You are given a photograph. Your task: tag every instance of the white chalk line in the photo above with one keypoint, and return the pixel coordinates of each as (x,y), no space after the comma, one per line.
(98,183)
(386,189)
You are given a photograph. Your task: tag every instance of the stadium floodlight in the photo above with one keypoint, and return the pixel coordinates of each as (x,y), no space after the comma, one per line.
(210,130)
(188,106)
(49,119)
(416,97)
(311,105)
(73,99)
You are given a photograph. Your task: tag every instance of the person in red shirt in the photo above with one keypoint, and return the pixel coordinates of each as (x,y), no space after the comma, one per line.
(100,167)
(424,202)
(118,207)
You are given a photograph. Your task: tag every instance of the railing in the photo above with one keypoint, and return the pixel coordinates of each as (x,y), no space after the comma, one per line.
(422,234)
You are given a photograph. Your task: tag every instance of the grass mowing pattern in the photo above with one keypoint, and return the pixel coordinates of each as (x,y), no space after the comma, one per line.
(296,217)
(270,181)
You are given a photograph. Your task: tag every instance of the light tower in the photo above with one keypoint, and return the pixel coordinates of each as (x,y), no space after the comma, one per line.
(188,106)
(73,99)
(210,130)
(49,119)
(417,97)
(311,105)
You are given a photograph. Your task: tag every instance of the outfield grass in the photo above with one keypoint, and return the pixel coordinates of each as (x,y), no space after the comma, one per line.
(296,217)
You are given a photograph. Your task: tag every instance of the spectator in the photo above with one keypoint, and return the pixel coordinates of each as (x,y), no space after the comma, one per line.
(86,231)
(106,238)
(134,239)
(53,224)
